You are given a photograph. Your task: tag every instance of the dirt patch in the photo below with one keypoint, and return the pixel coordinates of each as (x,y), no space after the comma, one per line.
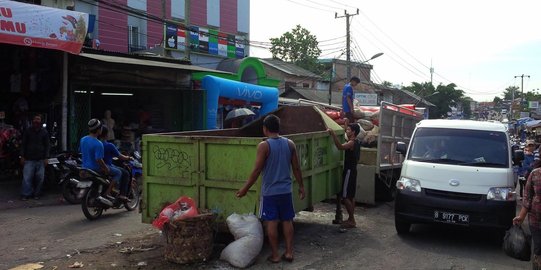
(316,240)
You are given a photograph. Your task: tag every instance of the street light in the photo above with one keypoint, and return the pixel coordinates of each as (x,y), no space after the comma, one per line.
(330,80)
(373,57)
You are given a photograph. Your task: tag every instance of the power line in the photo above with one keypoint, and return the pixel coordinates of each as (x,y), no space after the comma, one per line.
(304,5)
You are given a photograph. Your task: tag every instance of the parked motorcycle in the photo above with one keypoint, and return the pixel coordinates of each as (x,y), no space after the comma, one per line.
(63,171)
(95,199)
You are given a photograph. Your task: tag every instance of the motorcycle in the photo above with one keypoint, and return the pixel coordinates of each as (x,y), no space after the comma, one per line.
(95,199)
(63,171)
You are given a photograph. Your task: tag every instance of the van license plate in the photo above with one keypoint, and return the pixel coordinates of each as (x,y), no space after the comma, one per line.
(454,218)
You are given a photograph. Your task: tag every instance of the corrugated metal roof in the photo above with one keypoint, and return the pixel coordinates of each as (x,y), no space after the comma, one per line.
(319,96)
(289,68)
(142,62)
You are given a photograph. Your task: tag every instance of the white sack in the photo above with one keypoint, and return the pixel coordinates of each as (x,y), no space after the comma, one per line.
(248,243)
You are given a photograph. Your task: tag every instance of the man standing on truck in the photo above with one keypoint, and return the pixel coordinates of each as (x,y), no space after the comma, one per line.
(352,150)
(347,98)
(275,158)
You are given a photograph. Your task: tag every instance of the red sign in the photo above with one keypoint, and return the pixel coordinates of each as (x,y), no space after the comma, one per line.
(42,27)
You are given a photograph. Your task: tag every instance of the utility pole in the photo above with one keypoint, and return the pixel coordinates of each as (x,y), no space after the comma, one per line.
(431,72)
(348,51)
(522,87)
(187,46)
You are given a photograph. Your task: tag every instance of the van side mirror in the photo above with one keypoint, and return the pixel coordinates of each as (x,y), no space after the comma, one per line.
(518,157)
(401,147)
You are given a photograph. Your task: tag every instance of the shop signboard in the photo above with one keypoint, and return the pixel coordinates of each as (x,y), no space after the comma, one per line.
(42,27)
(204,40)
(533,104)
(367,99)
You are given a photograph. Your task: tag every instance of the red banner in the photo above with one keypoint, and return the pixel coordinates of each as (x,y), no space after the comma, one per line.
(42,27)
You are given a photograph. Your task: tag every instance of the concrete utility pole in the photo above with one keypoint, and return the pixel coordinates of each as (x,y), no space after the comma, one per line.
(348,52)
(522,86)
(187,47)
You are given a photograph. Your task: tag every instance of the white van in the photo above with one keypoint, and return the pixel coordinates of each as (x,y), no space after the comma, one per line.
(457,172)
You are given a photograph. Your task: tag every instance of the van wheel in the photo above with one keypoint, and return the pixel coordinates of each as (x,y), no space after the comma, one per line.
(402,227)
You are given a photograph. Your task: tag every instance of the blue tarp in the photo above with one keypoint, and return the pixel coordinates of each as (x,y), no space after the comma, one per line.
(522,121)
(532,123)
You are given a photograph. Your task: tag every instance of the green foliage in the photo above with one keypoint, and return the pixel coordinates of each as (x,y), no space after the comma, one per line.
(508,93)
(443,97)
(298,47)
(497,101)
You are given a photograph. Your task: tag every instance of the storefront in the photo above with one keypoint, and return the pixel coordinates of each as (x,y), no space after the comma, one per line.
(34,43)
(143,95)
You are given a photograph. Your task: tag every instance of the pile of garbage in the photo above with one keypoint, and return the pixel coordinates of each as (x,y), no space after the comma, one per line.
(368,119)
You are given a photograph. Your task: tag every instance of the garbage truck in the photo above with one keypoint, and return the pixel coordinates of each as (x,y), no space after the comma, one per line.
(379,167)
(210,166)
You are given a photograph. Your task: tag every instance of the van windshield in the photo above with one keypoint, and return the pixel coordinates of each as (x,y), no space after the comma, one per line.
(460,147)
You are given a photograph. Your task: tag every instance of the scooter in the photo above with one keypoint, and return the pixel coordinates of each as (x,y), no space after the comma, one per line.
(96,200)
(63,171)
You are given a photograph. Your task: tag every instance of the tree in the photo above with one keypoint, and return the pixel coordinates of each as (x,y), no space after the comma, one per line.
(387,84)
(466,107)
(508,93)
(420,89)
(298,47)
(497,102)
(443,97)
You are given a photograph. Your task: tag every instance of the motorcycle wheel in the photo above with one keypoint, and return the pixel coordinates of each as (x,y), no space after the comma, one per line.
(70,192)
(91,207)
(134,196)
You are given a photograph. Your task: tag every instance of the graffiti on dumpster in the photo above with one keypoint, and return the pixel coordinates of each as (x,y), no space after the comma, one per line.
(321,153)
(302,150)
(172,159)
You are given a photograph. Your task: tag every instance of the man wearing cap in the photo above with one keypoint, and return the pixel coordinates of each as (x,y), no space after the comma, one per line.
(92,151)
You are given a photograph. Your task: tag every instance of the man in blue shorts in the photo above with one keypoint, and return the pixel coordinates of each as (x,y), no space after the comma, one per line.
(275,158)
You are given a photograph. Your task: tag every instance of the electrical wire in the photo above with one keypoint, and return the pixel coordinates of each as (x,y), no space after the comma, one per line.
(312,7)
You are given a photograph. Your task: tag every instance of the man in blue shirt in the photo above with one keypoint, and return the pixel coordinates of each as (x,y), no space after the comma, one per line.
(110,152)
(347,98)
(92,151)
(275,158)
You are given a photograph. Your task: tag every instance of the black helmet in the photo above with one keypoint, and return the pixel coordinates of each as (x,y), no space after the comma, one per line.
(94,124)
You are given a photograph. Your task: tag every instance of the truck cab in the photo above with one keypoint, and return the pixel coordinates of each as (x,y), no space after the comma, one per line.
(457,172)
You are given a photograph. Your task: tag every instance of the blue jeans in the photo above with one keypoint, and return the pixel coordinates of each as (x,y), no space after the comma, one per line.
(115,174)
(33,173)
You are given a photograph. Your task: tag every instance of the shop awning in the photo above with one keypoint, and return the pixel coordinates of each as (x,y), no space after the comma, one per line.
(143,62)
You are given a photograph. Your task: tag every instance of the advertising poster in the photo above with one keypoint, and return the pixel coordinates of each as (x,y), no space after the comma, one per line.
(213,41)
(42,27)
(171,36)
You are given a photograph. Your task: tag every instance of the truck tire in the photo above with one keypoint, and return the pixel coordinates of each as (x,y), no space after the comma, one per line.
(384,193)
(402,227)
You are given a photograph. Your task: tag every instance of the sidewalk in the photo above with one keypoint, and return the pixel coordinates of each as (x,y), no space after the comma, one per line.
(10,198)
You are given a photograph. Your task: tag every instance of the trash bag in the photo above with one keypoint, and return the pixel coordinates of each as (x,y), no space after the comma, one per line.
(517,243)
(183,208)
(248,234)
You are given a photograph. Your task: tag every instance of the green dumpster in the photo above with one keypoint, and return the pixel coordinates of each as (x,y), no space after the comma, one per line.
(210,166)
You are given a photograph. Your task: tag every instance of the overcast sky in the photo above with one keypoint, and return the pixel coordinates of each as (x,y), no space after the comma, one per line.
(479,45)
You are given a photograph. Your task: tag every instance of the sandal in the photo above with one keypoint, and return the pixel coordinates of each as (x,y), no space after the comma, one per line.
(349,224)
(286,258)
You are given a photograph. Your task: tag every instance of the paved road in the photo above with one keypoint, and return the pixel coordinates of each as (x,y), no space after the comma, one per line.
(41,233)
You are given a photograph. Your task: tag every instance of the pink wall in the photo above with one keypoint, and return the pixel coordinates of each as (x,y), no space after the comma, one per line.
(155,29)
(228,16)
(113,26)
(198,13)
(113,29)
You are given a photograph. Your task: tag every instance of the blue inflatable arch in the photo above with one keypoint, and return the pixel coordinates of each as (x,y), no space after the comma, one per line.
(218,87)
